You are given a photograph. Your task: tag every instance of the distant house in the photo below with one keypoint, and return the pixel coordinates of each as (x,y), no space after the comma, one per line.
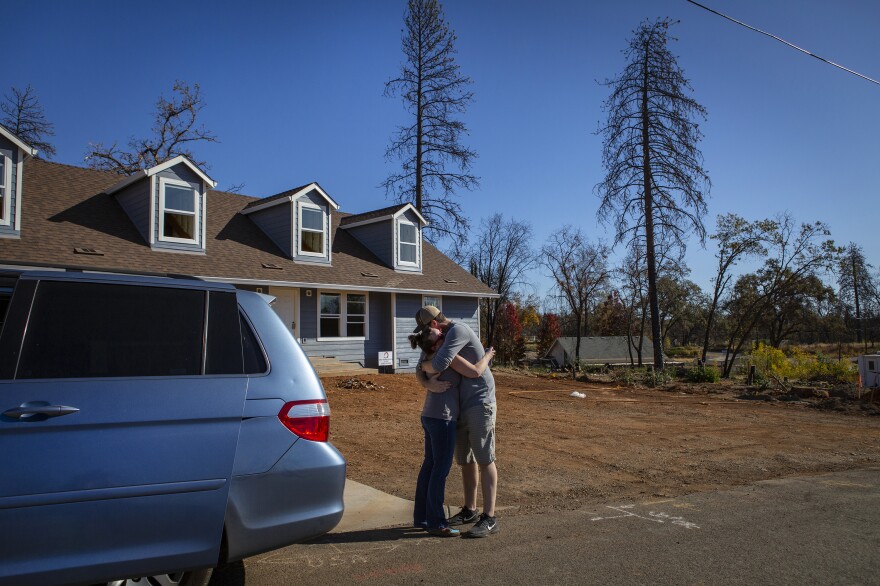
(600,350)
(347,285)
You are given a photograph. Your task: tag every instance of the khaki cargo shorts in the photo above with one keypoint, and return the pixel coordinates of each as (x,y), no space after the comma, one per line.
(475,435)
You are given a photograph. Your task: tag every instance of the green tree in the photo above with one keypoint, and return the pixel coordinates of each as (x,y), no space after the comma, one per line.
(435,163)
(654,187)
(856,286)
(737,240)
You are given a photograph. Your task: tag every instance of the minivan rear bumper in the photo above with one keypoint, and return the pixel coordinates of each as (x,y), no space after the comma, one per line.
(300,497)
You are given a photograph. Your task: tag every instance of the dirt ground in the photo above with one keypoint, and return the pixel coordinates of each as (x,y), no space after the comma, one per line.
(556,451)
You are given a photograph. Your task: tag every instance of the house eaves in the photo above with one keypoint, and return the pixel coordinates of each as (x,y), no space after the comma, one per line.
(28,149)
(158,169)
(287,198)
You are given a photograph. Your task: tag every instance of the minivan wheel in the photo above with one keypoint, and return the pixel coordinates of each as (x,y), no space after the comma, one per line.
(194,578)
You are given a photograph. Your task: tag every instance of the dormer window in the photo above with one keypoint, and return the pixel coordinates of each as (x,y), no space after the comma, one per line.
(408,243)
(178,213)
(312,227)
(5,195)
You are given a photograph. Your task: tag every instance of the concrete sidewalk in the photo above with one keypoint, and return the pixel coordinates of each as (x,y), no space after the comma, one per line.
(367,508)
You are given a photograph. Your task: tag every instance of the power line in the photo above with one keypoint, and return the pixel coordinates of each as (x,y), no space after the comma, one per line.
(865,77)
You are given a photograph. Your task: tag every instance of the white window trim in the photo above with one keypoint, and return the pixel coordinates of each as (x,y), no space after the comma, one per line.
(400,243)
(6,219)
(299,228)
(343,316)
(197,207)
(439,298)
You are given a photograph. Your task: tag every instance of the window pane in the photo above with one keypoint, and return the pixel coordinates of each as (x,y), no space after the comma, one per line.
(182,199)
(312,242)
(435,301)
(254,361)
(408,233)
(356,330)
(99,330)
(2,172)
(224,335)
(330,303)
(407,253)
(357,304)
(179,226)
(312,219)
(329,327)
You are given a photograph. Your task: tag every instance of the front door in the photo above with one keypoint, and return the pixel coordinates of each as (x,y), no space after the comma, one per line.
(287,307)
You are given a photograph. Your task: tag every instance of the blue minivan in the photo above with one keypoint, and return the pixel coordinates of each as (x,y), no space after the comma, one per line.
(153,427)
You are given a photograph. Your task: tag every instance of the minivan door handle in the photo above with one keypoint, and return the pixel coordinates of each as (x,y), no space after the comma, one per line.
(39,412)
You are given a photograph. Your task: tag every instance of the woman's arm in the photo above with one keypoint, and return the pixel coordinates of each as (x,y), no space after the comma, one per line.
(468,370)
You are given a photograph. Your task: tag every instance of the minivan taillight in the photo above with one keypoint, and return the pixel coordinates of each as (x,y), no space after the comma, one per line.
(308,419)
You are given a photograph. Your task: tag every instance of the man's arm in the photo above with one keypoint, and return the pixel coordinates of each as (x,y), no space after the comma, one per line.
(454,340)
(431,383)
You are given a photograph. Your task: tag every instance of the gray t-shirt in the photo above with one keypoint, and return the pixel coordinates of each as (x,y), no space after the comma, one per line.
(462,340)
(442,405)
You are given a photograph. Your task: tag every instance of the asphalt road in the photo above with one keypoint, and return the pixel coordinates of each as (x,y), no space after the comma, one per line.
(806,530)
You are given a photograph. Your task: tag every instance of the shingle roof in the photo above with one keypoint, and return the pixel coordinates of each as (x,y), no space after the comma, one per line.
(281,195)
(63,208)
(604,349)
(391,210)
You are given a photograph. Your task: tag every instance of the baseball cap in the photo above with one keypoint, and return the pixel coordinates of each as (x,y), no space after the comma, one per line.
(425,315)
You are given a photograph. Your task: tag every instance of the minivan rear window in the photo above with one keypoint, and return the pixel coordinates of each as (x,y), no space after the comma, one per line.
(108,330)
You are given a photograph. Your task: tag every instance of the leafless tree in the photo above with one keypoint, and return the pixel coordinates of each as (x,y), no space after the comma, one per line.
(435,163)
(23,115)
(500,257)
(654,184)
(175,130)
(579,269)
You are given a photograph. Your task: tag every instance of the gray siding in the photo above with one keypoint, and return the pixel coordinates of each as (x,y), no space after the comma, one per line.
(276,223)
(313,197)
(135,202)
(460,309)
(378,238)
(410,216)
(405,323)
(12,151)
(183,173)
(364,352)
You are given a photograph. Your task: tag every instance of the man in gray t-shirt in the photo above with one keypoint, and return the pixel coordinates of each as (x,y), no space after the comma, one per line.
(475,440)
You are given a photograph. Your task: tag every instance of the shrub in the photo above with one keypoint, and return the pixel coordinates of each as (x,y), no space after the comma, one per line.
(683,351)
(800,365)
(705,374)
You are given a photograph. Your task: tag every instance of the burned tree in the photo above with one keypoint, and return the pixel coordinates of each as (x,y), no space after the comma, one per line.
(655,185)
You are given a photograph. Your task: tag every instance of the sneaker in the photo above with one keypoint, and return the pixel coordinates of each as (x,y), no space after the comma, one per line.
(444,532)
(485,527)
(465,515)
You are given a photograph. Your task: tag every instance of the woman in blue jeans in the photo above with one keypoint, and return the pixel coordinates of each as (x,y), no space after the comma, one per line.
(439,416)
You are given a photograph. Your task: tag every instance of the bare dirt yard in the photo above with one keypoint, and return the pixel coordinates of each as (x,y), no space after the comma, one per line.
(556,451)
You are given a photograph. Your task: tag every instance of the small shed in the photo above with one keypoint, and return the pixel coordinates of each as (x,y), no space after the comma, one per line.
(600,350)
(869,371)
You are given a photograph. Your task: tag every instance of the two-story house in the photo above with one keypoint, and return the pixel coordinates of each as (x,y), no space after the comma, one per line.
(347,285)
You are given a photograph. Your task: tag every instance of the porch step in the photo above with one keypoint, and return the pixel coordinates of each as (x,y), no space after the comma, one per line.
(328,366)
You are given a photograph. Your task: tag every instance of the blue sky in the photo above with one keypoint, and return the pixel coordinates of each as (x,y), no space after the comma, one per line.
(294,91)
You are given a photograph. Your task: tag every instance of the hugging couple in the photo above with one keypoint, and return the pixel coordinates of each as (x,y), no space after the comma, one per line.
(458,418)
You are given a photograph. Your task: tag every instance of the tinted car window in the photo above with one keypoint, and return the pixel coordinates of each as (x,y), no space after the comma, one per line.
(224,338)
(254,361)
(104,330)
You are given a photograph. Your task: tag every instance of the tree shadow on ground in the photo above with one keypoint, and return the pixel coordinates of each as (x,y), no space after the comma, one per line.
(371,535)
